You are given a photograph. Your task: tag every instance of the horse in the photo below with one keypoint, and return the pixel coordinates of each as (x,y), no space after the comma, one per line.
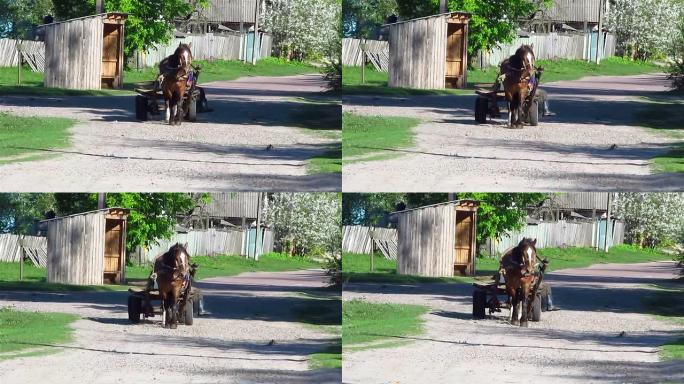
(519,266)
(518,69)
(173,274)
(174,71)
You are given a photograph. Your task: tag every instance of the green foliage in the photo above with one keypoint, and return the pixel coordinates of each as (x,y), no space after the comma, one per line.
(364,322)
(363,18)
(676,69)
(20,212)
(18,17)
(21,135)
(20,330)
(493,21)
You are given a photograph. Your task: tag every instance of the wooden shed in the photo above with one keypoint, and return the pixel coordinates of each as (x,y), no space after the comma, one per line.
(437,240)
(87,248)
(429,52)
(85,53)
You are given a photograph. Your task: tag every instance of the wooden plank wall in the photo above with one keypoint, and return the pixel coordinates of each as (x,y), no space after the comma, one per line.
(357,239)
(8,51)
(351,50)
(418,53)
(11,251)
(426,241)
(208,243)
(557,234)
(76,249)
(73,54)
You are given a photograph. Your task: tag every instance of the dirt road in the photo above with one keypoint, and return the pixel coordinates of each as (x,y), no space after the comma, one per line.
(581,343)
(568,152)
(229,345)
(226,149)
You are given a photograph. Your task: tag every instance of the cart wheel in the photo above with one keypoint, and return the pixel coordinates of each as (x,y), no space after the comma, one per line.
(544,292)
(141,108)
(479,304)
(536,307)
(196,305)
(481,106)
(189,309)
(192,110)
(134,309)
(533,113)
(202,105)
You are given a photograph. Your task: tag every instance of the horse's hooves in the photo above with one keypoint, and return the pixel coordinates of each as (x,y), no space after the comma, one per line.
(524,324)
(174,326)
(515,322)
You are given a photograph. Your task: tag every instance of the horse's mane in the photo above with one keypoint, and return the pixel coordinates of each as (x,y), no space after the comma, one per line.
(524,243)
(169,258)
(516,61)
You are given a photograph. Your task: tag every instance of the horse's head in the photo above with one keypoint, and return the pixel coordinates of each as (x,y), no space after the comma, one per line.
(179,259)
(526,55)
(184,55)
(527,252)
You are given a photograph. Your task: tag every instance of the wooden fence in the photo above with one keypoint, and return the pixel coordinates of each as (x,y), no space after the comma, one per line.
(357,239)
(35,248)
(34,53)
(561,234)
(351,50)
(204,47)
(208,243)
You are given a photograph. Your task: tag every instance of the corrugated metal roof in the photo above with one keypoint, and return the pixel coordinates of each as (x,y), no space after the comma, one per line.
(579,200)
(229,11)
(574,10)
(236,204)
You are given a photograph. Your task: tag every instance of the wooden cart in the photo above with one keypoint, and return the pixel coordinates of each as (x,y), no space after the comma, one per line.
(143,302)
(486,295)
(150,100)
(487,103)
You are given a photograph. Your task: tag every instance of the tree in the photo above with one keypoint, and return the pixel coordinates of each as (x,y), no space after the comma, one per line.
(651,219)
(303,29)
(363,18)
(493,21)
(21,212)
(149,22)
(646,28)
(306,223)
(18,17)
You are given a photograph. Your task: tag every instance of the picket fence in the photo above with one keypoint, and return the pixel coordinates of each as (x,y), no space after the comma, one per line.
(35,249)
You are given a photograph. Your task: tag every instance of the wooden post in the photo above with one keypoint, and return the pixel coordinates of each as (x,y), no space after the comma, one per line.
(258,222)
(19,60)
(605,240)
(21,258)
(598,34)
(372,236)
(99,7)
(256,35)
(363,61)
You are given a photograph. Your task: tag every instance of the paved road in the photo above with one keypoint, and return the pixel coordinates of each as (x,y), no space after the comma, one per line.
(225,150)
(579,344)
(568,152)
(230,345)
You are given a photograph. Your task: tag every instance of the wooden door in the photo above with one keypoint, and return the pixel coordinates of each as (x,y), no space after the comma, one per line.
(464,236)
(454,54)
(113,250)
(110,54)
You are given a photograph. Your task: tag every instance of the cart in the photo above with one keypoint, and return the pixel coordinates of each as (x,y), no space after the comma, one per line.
(143,302)
(487,103)
(486,295)
(150,100)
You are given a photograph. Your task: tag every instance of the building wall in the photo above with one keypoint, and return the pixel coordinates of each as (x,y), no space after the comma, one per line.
(426,241)
(418,53)
(76,249)
(229,11)
(574,11)
(73,54)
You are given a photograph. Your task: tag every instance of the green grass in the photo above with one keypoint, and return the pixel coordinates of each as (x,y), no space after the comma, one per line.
(21,330)
(223,265)
(19,135)
(554,70)
(356,268)
(327,162)
(32,82)
(667,303)
(35,280)
(562,258)
(665,114)
(330,357)
(365,322)
(370,134)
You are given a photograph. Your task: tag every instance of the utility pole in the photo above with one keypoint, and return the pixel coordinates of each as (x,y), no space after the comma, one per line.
(258,227)
(256,31)
(599,32)
(101,203)
(99,7)
(21,258)
(608,226)
(442,6)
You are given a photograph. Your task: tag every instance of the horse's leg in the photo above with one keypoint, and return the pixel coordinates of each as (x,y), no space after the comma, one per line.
(513,303)
(510,115)
(173,308)
(167,114)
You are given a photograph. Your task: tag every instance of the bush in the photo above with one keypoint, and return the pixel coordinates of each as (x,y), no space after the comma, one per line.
(334,270)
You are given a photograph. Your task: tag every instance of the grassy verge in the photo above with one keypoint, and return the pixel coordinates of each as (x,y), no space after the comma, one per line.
(365,322)
(324,118)
(21,135)
(330,357)
(224,265)
(363,135)
(326,162)
(665,114)
(667,302)
(554,70)
(21,330)
(35,280)
(562,258)
(32,82)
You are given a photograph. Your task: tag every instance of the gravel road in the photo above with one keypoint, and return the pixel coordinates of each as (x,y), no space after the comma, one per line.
(581,343)
(568,152)
(230,345)
(226,149)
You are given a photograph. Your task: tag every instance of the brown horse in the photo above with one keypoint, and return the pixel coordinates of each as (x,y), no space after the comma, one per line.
(172,271)
(174,71)
(518,70)
(519,266)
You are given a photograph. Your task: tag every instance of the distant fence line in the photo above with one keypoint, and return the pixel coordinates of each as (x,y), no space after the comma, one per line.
(210,242)
(554,45)
(34,246)
(357,239)
(10,58)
